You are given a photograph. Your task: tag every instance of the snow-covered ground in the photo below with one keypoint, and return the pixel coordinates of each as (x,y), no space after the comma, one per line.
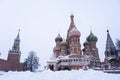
(59,75)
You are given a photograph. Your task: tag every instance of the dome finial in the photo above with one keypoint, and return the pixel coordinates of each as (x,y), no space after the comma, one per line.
(72,16)
(72,21)
(108,28)
(90,29)
(107,31)
(18,30)
(58,33)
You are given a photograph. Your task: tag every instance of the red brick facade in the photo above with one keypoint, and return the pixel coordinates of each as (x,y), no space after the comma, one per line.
(5,65)
(13,61)
(68,53)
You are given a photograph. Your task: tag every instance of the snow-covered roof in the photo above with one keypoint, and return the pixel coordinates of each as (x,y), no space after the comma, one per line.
(63,57)
(53,57)
(51,61)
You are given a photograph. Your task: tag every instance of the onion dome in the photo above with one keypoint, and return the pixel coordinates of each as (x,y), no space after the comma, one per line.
(74,32)
(59,38)
(63,43)
(57,48)
(86,43)
(92,37)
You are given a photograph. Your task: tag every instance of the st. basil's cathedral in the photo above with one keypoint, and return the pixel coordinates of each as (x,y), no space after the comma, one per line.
(68,55)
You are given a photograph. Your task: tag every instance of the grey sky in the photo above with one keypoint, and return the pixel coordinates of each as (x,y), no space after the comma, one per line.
(41,20)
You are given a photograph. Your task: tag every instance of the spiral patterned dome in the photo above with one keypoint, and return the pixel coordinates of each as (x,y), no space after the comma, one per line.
(74,32)
(92,37)
(59,38)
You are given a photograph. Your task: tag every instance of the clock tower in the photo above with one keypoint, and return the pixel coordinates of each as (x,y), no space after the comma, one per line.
(14,54)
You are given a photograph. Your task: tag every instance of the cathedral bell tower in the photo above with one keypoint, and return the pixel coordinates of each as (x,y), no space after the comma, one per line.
(14,54)
(110,47)
(111,56)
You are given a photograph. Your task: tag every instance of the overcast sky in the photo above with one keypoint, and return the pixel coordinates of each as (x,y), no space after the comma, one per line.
(40,21)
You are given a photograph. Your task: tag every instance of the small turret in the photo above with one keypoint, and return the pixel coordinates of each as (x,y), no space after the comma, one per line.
(63,43)
(59,38)
(86,43)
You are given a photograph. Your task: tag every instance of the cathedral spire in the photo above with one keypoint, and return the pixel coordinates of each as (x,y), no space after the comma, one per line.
(71,25)
(72,21)
(109,43)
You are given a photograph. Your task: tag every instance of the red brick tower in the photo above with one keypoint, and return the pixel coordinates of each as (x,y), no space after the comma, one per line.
(14,55)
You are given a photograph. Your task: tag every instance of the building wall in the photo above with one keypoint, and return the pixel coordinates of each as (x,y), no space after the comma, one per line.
(12,63)
(7,66)
(4,65)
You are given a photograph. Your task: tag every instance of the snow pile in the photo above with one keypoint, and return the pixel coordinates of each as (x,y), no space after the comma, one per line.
(60,75)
